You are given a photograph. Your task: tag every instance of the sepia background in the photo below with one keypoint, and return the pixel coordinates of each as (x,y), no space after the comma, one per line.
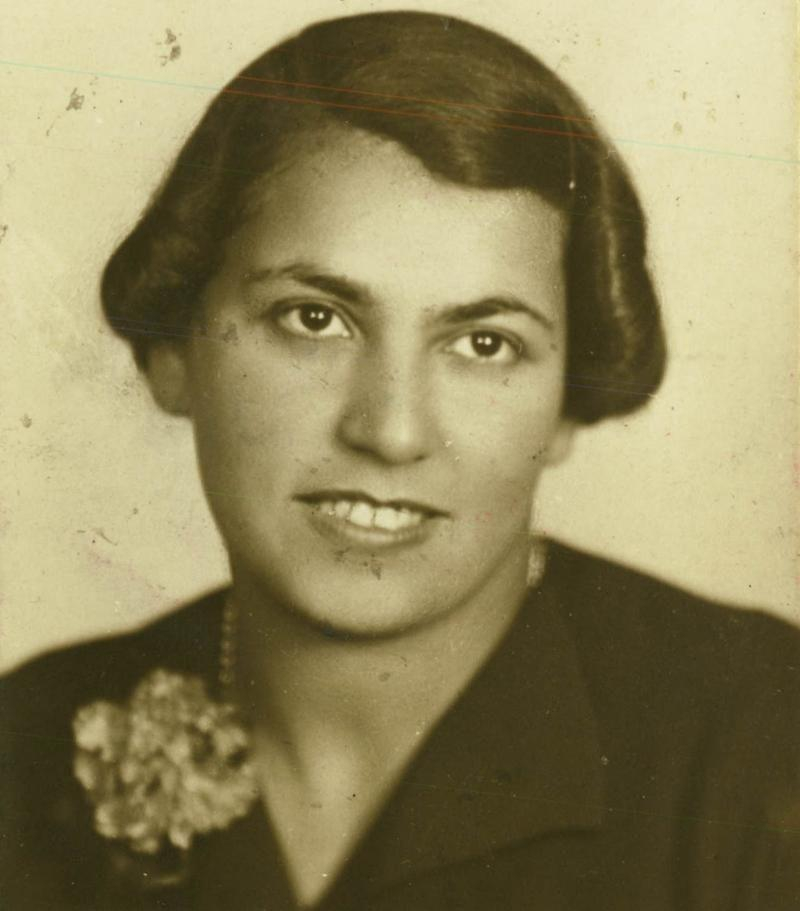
(101,515)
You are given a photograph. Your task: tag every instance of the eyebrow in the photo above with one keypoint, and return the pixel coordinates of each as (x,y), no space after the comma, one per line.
(357,294)
(491,306)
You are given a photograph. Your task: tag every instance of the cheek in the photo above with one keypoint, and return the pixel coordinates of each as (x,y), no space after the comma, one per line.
(503,440)
(507,424)
(257,414)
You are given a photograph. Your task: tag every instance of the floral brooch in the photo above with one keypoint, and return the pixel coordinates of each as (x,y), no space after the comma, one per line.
(169,765)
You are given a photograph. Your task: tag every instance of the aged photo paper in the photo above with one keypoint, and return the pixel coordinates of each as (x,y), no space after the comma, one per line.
(444,644)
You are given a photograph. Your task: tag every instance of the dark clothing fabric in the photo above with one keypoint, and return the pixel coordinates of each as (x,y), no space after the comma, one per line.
(628,746)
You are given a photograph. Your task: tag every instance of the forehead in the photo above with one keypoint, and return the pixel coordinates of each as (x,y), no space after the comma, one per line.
(362,206)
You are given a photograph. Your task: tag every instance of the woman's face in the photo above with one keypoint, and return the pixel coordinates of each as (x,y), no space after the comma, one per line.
(377,387)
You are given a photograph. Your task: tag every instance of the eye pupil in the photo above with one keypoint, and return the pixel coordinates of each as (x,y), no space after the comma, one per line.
(486,343)
(315,318)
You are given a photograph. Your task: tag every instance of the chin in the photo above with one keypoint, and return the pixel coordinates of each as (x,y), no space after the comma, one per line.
(361,594)
(369,611)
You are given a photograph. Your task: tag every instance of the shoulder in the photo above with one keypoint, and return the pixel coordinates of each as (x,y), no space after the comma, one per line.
(697,704)
(36,694)
(622,618)
(668,670)
(45,823)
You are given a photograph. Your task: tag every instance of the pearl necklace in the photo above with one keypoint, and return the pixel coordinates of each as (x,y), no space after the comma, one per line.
(227,645)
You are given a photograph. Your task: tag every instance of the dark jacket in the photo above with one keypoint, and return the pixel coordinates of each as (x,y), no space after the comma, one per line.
(628,746)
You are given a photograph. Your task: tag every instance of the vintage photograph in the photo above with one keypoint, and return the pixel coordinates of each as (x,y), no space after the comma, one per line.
(400,457)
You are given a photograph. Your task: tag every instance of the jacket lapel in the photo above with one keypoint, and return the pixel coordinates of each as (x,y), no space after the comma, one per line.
(516,757)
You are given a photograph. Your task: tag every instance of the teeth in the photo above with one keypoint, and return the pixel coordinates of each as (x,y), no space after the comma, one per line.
(386,518)
(363,514)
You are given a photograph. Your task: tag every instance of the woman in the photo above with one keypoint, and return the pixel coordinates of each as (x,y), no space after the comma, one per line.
(392,272)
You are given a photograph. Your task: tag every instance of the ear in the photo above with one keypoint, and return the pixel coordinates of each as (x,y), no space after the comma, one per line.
(561,444)
(167,374)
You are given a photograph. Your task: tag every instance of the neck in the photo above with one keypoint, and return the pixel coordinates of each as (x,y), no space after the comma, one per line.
(310,691)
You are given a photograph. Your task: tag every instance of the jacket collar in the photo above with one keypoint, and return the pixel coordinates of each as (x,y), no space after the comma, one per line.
(516,757)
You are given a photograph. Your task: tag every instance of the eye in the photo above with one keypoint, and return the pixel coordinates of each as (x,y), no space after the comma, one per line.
(487,345)
(313,321)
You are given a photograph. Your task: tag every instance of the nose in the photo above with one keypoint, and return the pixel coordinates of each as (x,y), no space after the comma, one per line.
(387,414)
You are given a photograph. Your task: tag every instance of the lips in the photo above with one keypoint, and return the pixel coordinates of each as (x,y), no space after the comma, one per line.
(359,516)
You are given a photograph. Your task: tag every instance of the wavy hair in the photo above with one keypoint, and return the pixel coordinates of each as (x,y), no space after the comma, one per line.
(477,110)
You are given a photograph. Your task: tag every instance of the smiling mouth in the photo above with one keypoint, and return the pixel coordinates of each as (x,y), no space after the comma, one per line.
(358,511)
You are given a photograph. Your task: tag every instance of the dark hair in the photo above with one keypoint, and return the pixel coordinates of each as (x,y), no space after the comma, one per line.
(477,110)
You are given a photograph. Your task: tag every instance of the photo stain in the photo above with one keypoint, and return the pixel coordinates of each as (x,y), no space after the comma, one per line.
(170,41)
(75,100)
(230,334)
(101,534)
